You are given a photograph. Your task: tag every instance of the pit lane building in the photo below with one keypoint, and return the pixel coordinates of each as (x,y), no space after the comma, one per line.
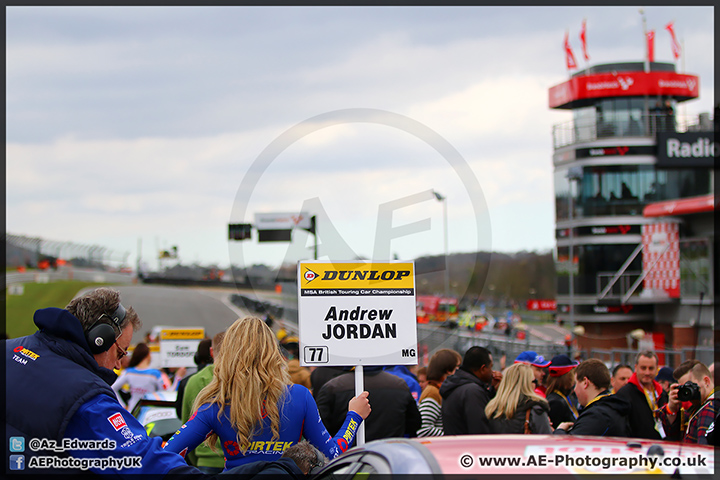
(634,203)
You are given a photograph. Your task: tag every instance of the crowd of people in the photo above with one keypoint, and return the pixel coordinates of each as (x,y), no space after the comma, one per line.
(251,408)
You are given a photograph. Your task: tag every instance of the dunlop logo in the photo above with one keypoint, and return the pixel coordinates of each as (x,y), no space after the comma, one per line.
(350,275)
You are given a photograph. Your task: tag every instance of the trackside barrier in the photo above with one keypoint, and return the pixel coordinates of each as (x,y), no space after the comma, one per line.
(432,338)
(673,358)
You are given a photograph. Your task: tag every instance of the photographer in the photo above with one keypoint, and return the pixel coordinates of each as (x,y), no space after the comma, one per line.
(696,387)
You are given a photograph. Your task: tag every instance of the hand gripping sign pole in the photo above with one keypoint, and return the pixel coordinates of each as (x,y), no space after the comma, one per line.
(359,388)
(356,314)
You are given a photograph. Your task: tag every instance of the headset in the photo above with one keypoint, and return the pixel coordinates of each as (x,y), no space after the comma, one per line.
(101,335)
(318,463)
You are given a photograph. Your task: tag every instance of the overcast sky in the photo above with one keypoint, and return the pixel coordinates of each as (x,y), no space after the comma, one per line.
(164,124)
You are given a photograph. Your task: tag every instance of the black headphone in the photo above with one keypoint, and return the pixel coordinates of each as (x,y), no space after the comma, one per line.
(101,335)
(318,463)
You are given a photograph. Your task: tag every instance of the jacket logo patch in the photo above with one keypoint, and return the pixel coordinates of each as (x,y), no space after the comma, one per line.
(26,353)
(117,421)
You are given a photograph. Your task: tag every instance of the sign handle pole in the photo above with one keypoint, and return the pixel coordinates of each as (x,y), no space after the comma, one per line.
(359,388)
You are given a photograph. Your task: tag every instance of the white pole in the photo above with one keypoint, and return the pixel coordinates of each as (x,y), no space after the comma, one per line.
(447,260)
(359,388)
(645,42)
(682,53)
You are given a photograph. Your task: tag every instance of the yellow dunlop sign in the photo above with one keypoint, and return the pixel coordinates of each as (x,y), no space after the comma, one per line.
(357,313)
(365,277)
(183,334)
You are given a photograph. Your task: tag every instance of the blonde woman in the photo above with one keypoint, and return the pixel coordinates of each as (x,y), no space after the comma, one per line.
(254,409)
(443,363)
(515,397)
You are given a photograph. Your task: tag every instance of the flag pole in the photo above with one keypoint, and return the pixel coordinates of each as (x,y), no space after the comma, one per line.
(682,53)
(584,44)
(645,42)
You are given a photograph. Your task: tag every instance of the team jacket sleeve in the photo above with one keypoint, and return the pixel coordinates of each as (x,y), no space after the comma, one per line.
(316,433)
(193,433)
(130,449)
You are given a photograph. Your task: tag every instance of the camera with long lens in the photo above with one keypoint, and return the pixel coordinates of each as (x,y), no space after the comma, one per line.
(689,391)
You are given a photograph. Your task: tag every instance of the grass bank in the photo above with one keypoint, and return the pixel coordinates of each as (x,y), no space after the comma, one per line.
(19,309)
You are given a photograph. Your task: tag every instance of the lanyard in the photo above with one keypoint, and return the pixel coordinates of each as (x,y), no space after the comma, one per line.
(652,397)
(569,404)
(597,398)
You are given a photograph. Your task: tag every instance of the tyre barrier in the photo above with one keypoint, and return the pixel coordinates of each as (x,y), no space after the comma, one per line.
(257,306)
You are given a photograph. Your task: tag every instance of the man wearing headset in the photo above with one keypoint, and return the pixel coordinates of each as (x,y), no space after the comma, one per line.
(61,414)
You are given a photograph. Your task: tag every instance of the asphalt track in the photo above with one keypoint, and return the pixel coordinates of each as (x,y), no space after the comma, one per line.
(179,307)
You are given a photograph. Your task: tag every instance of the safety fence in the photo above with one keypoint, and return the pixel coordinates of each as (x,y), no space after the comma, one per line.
(68,273)
(671,358)
(432,338)
(31,252)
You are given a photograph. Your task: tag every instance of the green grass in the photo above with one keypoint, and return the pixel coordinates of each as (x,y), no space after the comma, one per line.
(19,309)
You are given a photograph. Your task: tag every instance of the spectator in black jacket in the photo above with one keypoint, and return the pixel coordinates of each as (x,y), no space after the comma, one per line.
(646,397)
(396,414)
(321,375)
(467,392)
(603,413)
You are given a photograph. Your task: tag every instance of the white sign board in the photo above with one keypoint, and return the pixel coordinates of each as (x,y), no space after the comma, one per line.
(154,355)
(178,346)
(357,313)
(282,221)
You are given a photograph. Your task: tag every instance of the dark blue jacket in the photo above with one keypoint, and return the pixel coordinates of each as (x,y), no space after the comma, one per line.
(412,382)
(52,373)
(282,468)
(57,391)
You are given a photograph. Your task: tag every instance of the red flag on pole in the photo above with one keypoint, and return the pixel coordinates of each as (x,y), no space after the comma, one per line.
(584,41)
(651,45)
(569,57)
(673,41)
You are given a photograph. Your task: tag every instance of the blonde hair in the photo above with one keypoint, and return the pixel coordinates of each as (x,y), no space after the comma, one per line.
(515,387)
(249,378)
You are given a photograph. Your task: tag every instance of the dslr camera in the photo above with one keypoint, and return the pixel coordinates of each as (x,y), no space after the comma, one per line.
(689,391)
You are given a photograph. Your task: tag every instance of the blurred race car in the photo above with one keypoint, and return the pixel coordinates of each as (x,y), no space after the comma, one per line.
(520,454)
(156,412)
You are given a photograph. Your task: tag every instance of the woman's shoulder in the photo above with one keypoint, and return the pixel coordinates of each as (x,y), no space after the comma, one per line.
(553,397)
(429,402)
(297,391)
(536,404)
(209,410)
(144,371)
(540,406)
